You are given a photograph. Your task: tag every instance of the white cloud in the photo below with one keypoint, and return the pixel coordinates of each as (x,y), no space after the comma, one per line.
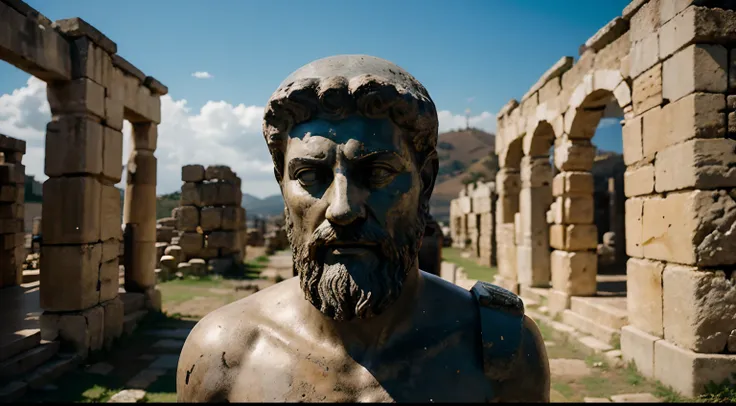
(219,133)
(609,121)
(202,75)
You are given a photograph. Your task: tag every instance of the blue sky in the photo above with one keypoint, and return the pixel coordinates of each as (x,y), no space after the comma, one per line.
(473,54)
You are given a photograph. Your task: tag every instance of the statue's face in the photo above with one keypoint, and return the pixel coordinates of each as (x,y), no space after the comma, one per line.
(352,191)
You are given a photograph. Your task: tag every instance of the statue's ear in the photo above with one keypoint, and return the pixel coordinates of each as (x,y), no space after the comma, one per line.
(429,175)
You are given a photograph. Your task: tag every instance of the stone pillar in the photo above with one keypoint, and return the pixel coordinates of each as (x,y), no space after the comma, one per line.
(12,193)
(81,211)
(484,206)
(573,235)
(533,254)
(679,149)
(508,183)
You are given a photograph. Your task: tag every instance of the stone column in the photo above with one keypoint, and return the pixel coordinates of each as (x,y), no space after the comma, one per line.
(81,209)
(12,193)
(508,182)
(533,254)
(573,236)
(484,205)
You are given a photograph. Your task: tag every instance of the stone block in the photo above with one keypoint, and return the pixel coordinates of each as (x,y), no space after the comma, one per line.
(644,54)
(689,372)
(140,209)
(78,96)
(209,193)
(574,272)
(112,154)
(699,308)
(633,223)
(550,90)
(113,323)
(533,263)
(228,194)
(696,25)
(647,90)
(175,251)
(141,168)
(211,218)
(79,331)
(192,173)
(222,239)
(691,228)
(140,103)
(557,236)
(219,172)
(644,295)
(140,266)
(72,210)
(697,164)
(696,68)
(699,115)
(639,181)
(153,299)
(77,142)
(732,342)
(577,209)
(191,243)
(234,216)
(187,218)
(145,136)
(191,194)
(114,113)
(574,155)
(638,346)
(579,237)
(110,213)
(573,184)
(557,302)
(645,21)
(109,279)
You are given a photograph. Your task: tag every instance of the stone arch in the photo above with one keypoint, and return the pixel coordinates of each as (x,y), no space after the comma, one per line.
(510,156)
(587,102)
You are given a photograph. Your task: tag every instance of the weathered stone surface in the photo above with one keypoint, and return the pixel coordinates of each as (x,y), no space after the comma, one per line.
(153,299)
(697,68)
(192,173)
(157,88)
(110,213)
(557,301)
(699,308)
(635,398)
(645,21)
(638,346)
(112,154)
(140,103)
(688,371)
(639,181)
(644,295)
(77,143)
(140,276)
(696,24)
(77,27)
(697,164)
(141,168)
(692,228)
(535,172)
(577,209)
(78,96)
(191,243)
(233,218)
(211,218)
(574,155)
(614,29)
(228,194)
(573,273)
(128,396)
(145,136)
(580,237)
(633,219)
(698,115)
(191,194)
(72,208)
(557,236)
(222,239)
(187,218)
(140,209)
(113,324)
(219,172)
(732,342)
(109,279)
(647,90)
(632,140)
(174,251)
(644,55)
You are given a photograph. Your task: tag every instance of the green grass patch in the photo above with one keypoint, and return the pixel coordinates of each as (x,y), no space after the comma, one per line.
(471,267)
(564,389)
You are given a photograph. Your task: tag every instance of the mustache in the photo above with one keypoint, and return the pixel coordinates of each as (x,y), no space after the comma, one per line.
(367,232)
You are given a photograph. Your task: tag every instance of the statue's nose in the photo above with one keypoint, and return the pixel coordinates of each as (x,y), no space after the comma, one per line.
(345,205)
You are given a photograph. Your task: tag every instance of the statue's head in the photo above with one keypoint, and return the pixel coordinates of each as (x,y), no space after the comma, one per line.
(353,141)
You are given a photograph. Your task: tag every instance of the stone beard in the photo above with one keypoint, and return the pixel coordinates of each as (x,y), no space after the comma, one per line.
(362,287)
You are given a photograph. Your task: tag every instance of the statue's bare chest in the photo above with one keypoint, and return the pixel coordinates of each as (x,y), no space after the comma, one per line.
(440,372)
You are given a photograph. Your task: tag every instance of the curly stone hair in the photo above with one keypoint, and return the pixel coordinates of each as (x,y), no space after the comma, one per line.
(404,101)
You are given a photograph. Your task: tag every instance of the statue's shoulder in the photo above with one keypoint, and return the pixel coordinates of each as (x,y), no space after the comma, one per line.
(501,327)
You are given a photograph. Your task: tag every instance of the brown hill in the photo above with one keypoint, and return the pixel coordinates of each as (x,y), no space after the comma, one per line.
(465,155)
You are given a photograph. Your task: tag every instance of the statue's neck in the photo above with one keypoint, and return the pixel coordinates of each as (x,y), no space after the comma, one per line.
(369,335)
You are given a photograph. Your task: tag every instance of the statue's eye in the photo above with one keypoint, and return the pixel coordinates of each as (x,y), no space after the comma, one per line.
(380,174)
(307,177)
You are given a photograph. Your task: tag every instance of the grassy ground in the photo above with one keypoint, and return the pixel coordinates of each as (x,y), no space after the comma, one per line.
(471,267)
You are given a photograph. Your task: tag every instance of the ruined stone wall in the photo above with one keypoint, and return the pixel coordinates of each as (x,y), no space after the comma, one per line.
(472,221)
(90,90)
(671,67)
(12,188)
(210,221)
